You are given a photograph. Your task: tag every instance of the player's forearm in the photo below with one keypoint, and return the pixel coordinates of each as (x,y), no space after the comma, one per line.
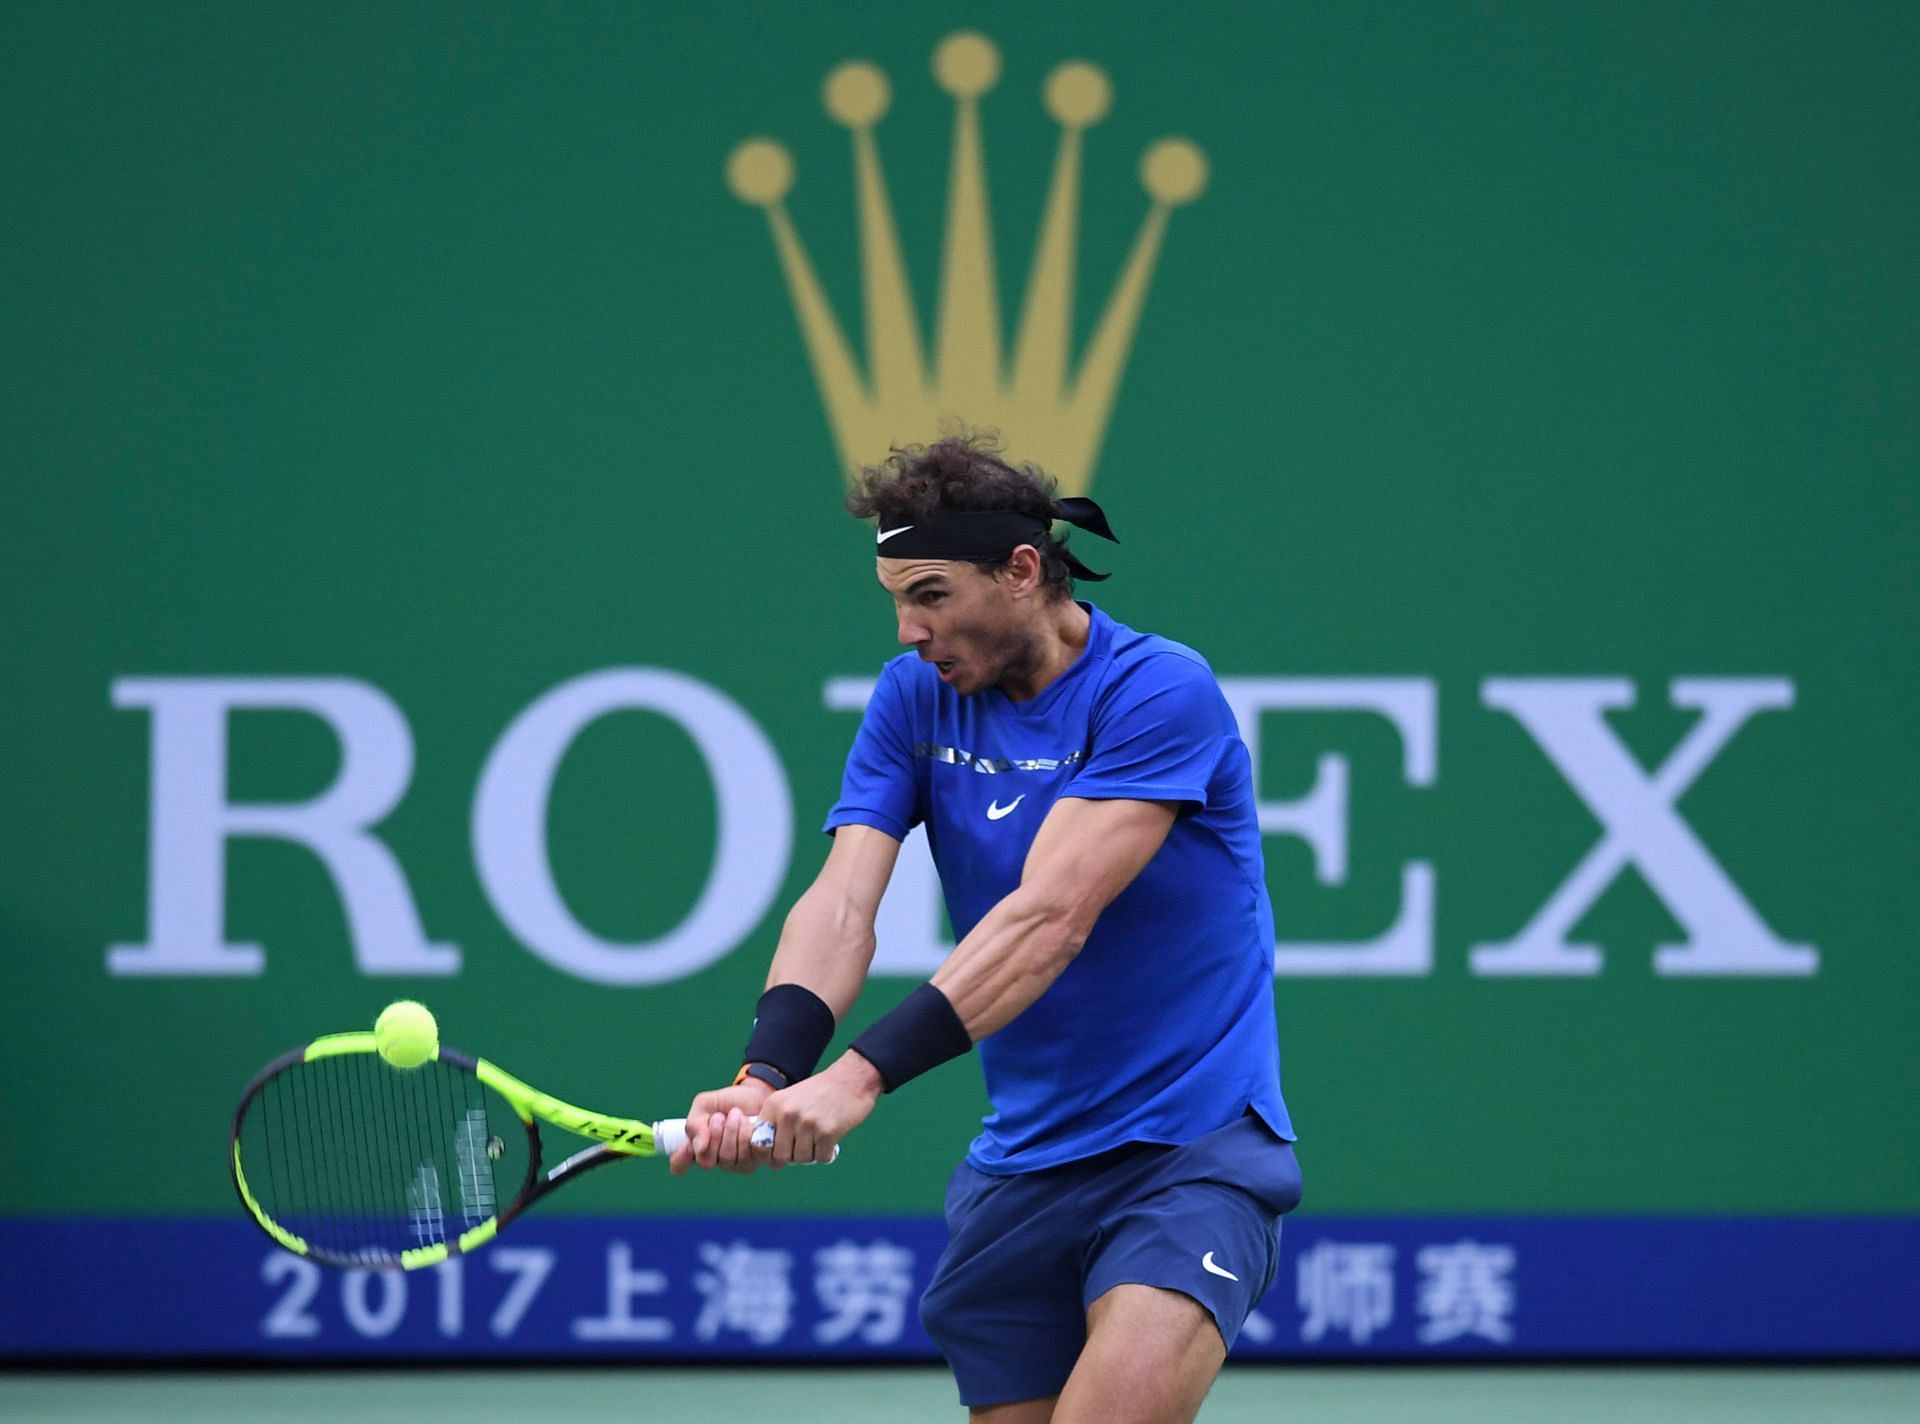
(1017,950)
(826,946)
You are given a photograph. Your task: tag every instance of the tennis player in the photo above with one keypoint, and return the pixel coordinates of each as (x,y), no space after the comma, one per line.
(1089,805)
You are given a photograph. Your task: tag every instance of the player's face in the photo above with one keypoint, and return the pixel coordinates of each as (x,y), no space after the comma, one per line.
(958,617)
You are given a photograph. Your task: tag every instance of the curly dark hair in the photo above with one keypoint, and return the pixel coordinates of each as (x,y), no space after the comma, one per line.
(961,473)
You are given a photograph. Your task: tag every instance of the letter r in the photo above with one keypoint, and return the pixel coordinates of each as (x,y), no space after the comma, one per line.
(191,821)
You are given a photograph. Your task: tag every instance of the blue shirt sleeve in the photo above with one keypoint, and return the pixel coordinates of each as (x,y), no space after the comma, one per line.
(1158,732)
(879,788)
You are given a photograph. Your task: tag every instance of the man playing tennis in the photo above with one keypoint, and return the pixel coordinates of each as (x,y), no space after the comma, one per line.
(1089,805)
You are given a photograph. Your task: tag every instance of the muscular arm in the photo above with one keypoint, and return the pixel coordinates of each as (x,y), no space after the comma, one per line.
(826,946)
(827,942)
(1086,853)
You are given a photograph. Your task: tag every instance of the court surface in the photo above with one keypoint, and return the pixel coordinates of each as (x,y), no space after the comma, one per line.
(1244,1395)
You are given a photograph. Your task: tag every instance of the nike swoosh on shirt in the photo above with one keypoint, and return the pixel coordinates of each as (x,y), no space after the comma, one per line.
(1206,1264)
(995,810)
(891,532)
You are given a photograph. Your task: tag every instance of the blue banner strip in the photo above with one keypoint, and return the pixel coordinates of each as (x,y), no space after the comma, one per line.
(846,1288)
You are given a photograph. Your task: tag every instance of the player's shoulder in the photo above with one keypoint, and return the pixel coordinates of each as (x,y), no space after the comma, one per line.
(1151,657)
(908,681)
(1156,677)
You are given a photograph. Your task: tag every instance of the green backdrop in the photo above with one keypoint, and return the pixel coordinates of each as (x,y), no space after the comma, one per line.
(425,347)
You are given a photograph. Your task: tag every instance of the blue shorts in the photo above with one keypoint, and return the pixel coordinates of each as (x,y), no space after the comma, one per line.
(1028,1254)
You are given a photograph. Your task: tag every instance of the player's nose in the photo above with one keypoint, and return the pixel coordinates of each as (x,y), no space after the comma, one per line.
(914,634)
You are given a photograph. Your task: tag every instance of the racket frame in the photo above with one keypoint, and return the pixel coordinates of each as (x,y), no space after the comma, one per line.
(614,1138)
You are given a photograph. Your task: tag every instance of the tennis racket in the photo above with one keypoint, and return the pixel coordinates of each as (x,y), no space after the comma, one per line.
(348,1161)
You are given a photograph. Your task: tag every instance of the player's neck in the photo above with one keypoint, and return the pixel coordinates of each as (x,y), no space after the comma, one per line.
(1060,640)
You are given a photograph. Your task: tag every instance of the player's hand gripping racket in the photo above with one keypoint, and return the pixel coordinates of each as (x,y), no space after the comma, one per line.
(349,1161)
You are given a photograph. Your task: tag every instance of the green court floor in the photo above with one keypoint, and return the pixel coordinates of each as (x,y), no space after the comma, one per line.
(1245,1395)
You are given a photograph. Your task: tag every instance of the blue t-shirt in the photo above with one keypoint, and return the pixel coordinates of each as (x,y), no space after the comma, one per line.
(1162,1028)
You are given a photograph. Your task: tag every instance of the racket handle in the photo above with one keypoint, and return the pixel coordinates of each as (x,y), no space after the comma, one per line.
(670,1135)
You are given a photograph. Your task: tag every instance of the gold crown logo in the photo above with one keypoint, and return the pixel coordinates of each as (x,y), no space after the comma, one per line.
(1049,415)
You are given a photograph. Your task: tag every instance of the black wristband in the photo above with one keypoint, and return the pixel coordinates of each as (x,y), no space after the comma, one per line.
(792,1027)
(919,1033)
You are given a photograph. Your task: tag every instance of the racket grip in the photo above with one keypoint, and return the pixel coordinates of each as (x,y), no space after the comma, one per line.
(670,1135)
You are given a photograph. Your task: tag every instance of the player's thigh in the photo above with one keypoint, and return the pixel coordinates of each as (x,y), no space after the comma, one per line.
(1151,1356)
(1005,1303)
(1208,1227)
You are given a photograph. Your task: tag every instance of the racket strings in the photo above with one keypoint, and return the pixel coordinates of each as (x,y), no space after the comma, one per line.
(364,1161)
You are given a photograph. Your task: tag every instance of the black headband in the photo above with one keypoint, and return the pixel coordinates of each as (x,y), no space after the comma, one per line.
(988,536)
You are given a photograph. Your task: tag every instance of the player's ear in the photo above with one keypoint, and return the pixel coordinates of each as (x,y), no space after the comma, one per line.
(1022,571)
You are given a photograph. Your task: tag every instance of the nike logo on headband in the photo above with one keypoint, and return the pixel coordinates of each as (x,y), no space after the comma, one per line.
(891,532)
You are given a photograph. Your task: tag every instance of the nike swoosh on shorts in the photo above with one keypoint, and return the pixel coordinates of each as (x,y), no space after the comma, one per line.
(1206,1263)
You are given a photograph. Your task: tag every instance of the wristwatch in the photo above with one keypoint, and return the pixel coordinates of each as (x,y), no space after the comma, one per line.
(765,1072)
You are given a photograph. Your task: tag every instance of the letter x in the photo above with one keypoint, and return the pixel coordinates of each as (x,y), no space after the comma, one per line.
(1566,717)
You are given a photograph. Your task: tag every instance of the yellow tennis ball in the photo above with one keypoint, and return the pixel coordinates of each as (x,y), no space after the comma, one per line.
(406,1034)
